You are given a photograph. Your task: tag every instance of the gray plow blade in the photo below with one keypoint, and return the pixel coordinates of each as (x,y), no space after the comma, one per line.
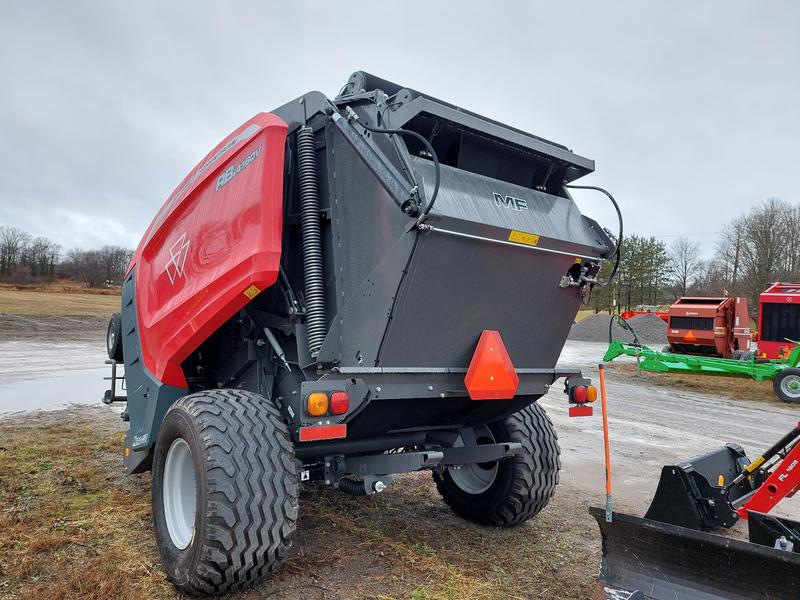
(644,559)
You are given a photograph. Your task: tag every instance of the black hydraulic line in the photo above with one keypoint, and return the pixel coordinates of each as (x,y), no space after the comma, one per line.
(618,251)
(790,438)
(352,487)
(388,176)
(352,116)
(428,147)
(625,325)
(314,280)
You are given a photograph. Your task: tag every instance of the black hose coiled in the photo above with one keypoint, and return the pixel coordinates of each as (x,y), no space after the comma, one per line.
(352,487)
(316,324)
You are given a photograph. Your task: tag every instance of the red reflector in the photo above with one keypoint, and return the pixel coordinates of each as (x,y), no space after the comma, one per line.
(323,432)
(579,394)
(580,411)
(340,403)
(491,374)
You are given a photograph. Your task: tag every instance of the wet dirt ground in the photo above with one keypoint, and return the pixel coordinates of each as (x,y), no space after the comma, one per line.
(650,426)
(654,426)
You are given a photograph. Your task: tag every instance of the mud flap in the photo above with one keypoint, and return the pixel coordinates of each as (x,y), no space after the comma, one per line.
(644,559)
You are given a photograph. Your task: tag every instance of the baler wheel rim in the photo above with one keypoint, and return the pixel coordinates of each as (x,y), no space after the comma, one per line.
(180,494)
(476,478)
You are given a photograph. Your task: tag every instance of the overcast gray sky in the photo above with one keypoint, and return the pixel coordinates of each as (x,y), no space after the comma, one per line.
(690,110)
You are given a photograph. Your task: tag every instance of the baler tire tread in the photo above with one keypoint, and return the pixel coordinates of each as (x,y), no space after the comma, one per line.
(114,349)
(530,477)
(540,444)
(249,506)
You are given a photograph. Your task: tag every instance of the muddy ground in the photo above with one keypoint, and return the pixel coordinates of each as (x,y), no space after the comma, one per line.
(52,328)
(71,525)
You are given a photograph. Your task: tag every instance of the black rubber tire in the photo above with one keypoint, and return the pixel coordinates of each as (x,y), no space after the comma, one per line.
(746,355)
(114,338)
(666,349)
(246,489)
(736,355)
(524,484)
(777,385)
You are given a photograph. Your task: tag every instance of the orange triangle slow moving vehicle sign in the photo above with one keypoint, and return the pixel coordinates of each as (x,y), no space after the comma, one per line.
(689,337)
(491,374)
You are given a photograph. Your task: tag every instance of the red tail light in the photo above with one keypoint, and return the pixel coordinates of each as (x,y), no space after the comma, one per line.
(340,403)
(579,394)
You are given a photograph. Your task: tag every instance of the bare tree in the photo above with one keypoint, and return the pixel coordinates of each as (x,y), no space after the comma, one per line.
(95,268)
(40,257)
(684,255)
(12,244)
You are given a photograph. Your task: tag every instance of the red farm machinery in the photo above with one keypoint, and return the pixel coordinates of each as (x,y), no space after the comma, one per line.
(718,327)
(341,291)
(778,320)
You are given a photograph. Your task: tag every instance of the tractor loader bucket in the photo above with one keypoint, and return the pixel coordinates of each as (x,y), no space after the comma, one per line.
(691,494)
(648,560)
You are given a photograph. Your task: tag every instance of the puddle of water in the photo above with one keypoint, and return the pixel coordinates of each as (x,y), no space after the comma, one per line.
(34,360)
(53,392)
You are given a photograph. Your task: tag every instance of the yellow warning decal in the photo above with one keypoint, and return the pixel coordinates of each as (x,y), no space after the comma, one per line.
(252,292)
(578,261)
(755,464)
(520,237)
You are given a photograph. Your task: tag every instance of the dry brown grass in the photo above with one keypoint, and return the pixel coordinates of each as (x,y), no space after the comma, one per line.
(72,526)
(60,286)
(737,388)
(49,302)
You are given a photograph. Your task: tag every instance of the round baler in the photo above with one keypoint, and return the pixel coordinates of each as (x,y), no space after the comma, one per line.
(342,291)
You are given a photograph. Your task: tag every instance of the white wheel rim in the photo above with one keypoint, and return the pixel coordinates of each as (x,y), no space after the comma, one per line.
(791,386)
(476,478)
(180,494)
(111,338)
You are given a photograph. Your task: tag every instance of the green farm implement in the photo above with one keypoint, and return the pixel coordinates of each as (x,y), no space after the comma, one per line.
(784,372)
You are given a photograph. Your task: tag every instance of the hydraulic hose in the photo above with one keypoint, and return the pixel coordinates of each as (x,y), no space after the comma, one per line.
(314,284)
(352,487)
(618,251)
(428,147)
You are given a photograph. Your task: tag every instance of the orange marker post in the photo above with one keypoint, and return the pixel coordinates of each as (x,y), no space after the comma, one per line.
(606,442)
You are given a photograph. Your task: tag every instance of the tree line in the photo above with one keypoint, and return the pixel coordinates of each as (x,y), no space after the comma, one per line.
(28,259)
(751,252)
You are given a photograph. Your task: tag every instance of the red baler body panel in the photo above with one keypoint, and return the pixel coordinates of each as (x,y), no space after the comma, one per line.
(781,293)
(213,245)
(720,325)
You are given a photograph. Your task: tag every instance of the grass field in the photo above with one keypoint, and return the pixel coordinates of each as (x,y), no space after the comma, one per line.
(57,301)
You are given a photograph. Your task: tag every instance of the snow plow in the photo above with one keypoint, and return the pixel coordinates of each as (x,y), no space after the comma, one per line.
(340,292)
(671,552)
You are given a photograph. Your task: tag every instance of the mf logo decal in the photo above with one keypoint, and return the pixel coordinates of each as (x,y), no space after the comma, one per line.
(177,260)
(510,202)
